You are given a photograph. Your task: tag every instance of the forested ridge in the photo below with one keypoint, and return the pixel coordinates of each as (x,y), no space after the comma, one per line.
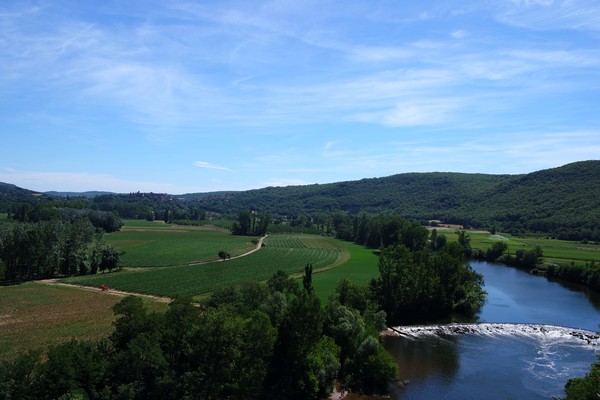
(560,202)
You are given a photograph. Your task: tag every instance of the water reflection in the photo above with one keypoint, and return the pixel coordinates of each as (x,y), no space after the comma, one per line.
(516,296)
(423,358)
(590,295)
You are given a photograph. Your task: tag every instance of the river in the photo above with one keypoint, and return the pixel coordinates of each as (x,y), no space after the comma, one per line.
(531,336)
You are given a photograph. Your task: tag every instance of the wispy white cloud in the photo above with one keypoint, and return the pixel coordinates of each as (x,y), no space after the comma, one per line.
(124,68)
(303,83)
(485,153)
(432,112)
(550,14)
(329,145)
(381,53)
(459,34)
(204,164)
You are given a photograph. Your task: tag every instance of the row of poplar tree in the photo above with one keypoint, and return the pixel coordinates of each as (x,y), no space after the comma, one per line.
(45,249)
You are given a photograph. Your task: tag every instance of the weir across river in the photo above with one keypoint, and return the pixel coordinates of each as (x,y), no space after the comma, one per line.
(537,331)
(531,336)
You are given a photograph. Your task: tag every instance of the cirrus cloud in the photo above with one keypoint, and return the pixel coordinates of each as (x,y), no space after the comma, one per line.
(204,164)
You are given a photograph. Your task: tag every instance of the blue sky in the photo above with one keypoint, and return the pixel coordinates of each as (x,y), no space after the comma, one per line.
(197,96)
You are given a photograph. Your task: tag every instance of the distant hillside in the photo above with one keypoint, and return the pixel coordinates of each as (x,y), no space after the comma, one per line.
(10,195)
(566,198)
(410,194)
(561,201)
(7,189)
(76,194)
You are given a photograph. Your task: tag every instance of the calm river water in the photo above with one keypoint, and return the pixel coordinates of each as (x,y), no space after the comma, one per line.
(531,339)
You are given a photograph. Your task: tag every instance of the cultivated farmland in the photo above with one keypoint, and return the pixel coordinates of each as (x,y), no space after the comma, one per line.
(289,253)
(156,244)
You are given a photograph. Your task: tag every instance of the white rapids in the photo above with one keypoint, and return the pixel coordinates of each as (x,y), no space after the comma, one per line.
(536,331)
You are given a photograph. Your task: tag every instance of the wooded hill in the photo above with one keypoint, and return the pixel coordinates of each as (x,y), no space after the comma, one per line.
(562,202)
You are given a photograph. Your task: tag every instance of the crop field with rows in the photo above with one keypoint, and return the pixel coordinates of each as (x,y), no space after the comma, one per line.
(286,253)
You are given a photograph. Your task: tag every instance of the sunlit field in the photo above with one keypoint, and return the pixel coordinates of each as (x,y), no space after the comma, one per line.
(156,244)
(289,253)
(35,315)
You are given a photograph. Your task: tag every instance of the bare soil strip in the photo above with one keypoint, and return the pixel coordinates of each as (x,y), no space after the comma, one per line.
(109,291)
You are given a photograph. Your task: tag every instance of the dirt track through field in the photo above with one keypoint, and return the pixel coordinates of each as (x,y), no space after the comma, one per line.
(122,293)
(109,291)
(257,248)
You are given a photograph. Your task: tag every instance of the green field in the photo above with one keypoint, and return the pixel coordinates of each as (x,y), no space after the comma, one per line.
(362,266)
(35,315)
(281,252)
(156,244)
(557,251)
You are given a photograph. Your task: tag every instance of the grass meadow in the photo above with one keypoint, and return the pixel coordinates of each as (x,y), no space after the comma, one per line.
(34,315)
(156,244)
(359,269)
(556,251)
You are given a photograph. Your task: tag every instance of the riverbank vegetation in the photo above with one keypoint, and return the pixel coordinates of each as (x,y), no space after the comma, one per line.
(418,286)
(575,262)
(584,388)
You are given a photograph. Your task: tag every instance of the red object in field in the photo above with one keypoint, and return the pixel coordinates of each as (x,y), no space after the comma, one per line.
(104,287)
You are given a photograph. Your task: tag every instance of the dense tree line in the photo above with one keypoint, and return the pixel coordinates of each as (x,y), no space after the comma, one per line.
(28,206)
(149,206)
(24,212)
(588,275)
(251,223)
(421,286)
(422,277)
(45,249)
(104,220)
(525,259)
(380,231)
(258,341)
